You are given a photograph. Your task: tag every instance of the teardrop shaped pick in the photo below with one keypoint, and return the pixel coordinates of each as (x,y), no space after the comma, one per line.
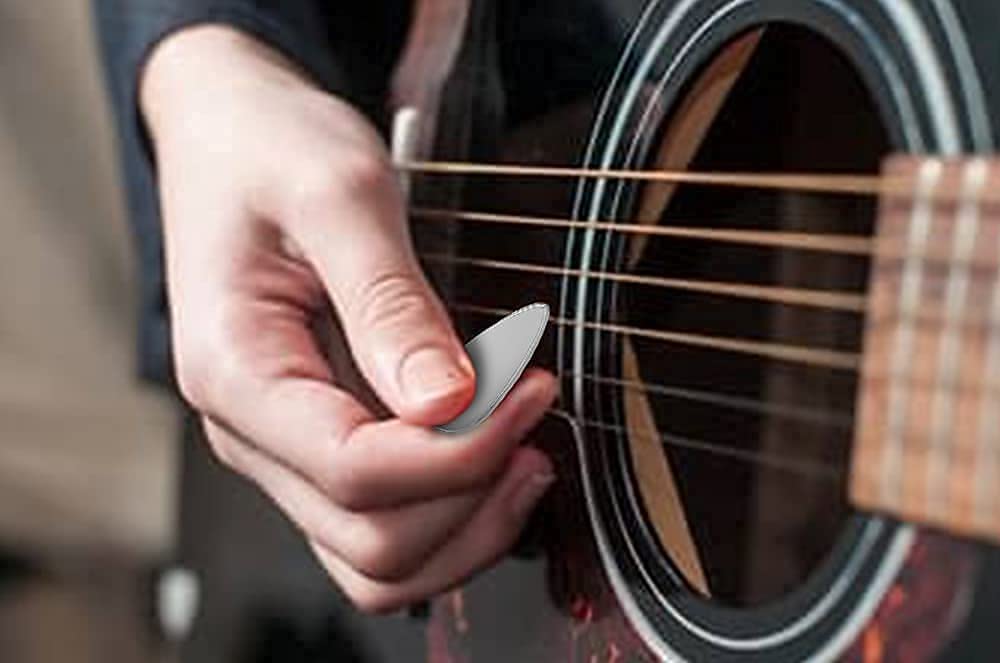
(500,354)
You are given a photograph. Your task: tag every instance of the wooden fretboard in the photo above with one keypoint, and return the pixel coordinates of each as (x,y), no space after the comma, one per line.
(927,446)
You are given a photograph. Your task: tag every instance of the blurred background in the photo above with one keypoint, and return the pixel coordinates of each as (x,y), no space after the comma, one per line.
(88,457)
(119,539)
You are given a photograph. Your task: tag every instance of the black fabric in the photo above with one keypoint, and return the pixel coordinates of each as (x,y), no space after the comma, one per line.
(348,47)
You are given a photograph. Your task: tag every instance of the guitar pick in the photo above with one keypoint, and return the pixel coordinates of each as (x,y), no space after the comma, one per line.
(500,354)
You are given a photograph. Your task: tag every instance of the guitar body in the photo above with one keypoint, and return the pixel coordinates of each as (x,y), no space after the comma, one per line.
(702,511)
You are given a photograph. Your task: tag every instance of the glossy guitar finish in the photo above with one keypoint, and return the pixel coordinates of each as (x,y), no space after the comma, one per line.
(733,539)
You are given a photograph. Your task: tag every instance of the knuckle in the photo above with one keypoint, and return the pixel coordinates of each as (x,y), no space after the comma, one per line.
(483,469)
(348,489)
(338,474)
(365,171)
(478,466)
(205,376)
(189,384)
(313,191)
(365,595)
(192,372)
(220,448)
(320,182)
(378,556)
(315,182)
(379,553)
(390,299)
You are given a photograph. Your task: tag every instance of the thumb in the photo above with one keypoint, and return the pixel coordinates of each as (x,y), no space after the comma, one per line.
(406,346)
(398,330)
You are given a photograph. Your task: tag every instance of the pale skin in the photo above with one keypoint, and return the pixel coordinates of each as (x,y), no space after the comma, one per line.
(252,158)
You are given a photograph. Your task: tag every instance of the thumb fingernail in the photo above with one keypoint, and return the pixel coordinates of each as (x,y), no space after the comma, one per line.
(433,373)
(530,491)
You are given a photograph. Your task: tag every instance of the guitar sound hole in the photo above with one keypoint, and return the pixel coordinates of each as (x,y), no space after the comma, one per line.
(759,520)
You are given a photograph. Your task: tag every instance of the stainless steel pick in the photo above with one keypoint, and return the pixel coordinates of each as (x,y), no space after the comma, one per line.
(500,354)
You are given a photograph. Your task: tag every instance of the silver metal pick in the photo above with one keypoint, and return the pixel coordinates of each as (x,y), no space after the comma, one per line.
(500,354)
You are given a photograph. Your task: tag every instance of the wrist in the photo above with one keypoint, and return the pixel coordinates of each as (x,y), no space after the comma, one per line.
(189,68)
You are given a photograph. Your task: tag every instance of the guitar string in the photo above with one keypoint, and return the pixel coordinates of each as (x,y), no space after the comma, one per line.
(830,470)
(851,302)
(895,186)
(830,418)
(843,244)
(814,469)
(839,184)
(819,357)
(837,244)
(866,185)
(839,301)
(829,300)
(843,302)
(812,415)
(817,416)
(826,417)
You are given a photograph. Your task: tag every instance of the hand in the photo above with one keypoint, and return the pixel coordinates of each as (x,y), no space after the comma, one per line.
(250,156)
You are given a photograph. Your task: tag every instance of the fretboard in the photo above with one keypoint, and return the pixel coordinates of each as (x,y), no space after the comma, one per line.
(927,446)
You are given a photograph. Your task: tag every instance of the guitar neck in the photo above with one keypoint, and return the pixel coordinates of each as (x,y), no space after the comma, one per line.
(927,445)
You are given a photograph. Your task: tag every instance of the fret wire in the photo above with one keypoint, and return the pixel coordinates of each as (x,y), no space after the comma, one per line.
(987,504)
(975,177)
(955,385)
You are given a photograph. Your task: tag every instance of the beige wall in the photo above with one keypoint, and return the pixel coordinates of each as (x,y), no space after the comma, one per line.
(86,456)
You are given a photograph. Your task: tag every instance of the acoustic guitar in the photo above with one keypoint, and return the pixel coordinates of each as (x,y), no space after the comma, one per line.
(769,231)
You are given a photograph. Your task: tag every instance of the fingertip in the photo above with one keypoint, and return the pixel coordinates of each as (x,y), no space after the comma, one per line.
(433,413)
(544,381)
(531,476)
(536,388)
(438,385)
(465,362)
(437,409)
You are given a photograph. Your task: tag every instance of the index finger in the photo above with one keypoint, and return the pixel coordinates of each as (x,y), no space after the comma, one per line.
(364,464)
(384,464)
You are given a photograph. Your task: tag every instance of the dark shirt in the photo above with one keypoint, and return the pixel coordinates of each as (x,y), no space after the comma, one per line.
(348,47)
